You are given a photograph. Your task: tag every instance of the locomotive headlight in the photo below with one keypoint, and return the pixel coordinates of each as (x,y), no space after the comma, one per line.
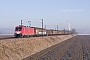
(17,32)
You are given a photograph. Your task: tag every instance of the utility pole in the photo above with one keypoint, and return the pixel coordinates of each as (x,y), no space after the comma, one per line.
(69,26)
(42,28)
(64,30)
(21,23)
(29,23)
(45,26)
(57,27)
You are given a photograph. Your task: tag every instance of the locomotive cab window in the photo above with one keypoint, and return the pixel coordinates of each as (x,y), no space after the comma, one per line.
(18,29)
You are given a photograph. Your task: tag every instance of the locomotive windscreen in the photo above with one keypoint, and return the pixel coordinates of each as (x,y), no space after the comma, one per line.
(18,29)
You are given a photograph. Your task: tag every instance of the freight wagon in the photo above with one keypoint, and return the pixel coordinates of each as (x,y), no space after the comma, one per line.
(64,32)
(49,32)
(55,32)
(38,31)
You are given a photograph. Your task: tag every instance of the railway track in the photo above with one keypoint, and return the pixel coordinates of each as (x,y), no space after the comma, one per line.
(12,37)
(7,38)
(76,48)
(3,37)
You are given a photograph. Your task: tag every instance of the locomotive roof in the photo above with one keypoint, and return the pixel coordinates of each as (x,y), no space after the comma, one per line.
(29,27)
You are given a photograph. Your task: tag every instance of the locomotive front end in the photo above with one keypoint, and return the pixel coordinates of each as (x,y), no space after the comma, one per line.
(18,32)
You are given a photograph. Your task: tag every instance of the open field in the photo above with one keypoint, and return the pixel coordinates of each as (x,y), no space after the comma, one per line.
(19,48)
(76,48)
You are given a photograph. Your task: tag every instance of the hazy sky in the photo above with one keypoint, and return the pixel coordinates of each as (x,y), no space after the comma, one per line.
(54,12)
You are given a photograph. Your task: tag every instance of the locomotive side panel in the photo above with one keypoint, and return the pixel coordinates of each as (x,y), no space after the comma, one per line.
(27,31)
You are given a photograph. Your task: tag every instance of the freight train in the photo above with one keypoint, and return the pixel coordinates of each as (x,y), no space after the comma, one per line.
(26,31)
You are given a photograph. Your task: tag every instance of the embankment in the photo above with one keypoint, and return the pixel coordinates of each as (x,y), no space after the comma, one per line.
(17,49)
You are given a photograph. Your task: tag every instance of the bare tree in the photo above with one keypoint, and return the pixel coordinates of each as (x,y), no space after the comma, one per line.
(73,31)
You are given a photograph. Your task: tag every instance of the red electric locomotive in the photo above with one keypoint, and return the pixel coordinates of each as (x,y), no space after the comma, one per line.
(23,31)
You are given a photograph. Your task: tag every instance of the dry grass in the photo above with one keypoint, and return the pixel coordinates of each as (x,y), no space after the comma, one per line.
(22,47)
